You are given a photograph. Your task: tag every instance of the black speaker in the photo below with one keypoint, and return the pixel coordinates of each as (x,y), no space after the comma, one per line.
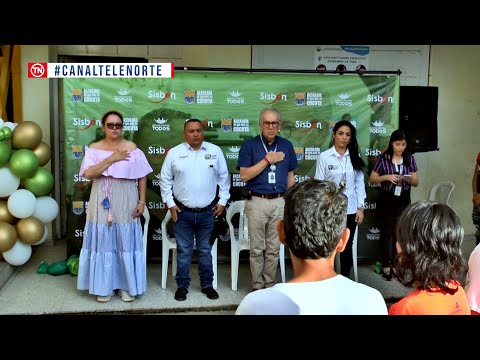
(418,117)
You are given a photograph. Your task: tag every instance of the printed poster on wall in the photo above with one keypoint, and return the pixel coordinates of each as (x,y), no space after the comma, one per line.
(228,104)
(341,57)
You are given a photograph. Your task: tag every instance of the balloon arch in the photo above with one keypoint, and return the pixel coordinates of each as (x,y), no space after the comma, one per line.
(26,207)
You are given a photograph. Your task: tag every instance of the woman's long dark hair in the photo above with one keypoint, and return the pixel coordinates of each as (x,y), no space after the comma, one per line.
(430,236)
(357,161)
(398,134)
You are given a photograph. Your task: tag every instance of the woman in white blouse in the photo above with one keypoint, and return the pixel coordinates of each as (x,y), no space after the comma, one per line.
(343,165)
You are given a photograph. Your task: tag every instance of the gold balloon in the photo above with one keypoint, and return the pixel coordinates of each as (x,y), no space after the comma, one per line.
(30,230)
(43,153)
(26,135)
(8,236)
(5,215)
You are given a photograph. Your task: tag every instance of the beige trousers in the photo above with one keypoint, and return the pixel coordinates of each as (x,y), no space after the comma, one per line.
(263,215)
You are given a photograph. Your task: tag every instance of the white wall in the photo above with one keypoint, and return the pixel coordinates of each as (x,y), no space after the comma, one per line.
(35,96)
(455,70)
(411,60)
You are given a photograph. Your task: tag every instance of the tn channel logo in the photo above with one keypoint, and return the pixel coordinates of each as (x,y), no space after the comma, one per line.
(37,70)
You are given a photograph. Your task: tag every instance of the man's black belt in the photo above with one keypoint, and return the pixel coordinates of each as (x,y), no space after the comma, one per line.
(195,210)
(267,196)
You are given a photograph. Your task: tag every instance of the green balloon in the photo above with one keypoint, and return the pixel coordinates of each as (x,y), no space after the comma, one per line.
(7,132)
(24,163)
(5,153)
(41,183)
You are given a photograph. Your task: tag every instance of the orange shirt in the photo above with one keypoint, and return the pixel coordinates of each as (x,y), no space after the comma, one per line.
(423,302)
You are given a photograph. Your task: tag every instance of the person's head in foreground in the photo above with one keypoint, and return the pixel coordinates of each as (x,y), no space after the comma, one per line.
(314,220)
(429,237)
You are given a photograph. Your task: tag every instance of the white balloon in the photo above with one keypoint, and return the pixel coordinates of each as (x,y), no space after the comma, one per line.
(10,125)
(18,254)
(1,123)
(44,237)
(9,182)
(46,209)
(21,203)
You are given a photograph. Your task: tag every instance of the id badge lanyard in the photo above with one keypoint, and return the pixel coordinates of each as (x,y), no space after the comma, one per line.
(271,174)
(343,181)
(399,170)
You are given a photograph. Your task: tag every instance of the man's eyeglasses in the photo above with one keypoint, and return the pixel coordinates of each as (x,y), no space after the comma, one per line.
(273,124)
(112,126)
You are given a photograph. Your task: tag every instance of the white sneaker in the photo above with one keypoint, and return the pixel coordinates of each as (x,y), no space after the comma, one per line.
(104,298)
(126,296)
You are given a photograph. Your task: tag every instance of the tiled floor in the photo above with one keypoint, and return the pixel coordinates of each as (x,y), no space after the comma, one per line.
(27,292)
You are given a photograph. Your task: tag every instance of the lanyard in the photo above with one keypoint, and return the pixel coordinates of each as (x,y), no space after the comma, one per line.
(266,151)
(343,181)
(272,167)
(343,165)
(399,169)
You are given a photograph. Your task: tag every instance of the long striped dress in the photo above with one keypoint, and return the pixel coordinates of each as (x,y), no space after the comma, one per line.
(112,253)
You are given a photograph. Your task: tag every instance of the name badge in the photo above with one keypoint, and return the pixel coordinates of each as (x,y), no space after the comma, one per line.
(271,177)
(398,190)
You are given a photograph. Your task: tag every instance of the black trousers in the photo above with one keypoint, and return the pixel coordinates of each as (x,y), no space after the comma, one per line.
(389,209)
(346,261)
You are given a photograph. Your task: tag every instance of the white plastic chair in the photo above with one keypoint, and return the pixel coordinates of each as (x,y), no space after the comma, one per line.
(146,216)
(354,254)
(242,241)
(441,192)
(170,243)
(354,257)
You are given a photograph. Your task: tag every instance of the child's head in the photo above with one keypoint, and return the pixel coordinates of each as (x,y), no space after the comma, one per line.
(429,237)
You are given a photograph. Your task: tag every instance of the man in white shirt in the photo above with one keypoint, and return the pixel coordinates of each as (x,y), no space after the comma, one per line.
(189,178)
(314,229)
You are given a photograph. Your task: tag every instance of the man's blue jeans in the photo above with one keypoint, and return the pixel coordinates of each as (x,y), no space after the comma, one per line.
(194,228)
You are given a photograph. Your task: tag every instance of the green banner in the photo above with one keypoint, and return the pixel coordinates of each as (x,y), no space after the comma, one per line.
(228,104)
